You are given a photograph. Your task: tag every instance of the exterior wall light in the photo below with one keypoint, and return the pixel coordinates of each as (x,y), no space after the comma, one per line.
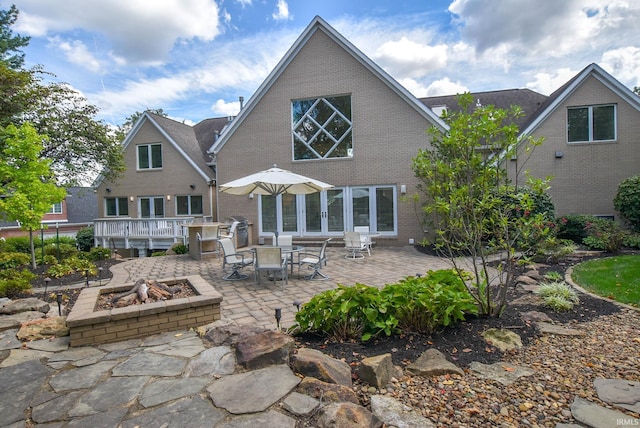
(559,154)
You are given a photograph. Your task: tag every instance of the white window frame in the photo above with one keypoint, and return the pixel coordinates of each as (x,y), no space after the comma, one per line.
(150,157)
(56,208)
(590,123)
(189,205)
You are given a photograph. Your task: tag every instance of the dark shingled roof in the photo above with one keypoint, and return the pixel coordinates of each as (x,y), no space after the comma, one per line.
(530,102)
(82,205)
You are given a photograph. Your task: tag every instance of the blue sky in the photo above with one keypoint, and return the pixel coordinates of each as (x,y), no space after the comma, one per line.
(194,58)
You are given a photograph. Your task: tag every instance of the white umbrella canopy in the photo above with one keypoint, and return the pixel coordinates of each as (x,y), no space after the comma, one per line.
(274,181)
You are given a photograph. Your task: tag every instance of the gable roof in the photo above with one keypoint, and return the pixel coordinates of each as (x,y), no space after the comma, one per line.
(82,205)
(562,93)
(318,24)
(530,102)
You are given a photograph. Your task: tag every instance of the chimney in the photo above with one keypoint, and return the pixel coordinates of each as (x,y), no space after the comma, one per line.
(241,98)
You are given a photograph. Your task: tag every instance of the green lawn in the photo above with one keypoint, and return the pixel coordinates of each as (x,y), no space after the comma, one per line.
(617,278)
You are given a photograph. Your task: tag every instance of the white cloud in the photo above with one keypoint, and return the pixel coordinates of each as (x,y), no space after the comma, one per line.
(407,58)
(77,53)
(546,83)
(282,12)
(140,34)
(445,86)
(624,64)
(223,108)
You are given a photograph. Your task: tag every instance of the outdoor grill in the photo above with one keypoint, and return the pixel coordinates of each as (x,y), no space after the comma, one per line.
(242,231)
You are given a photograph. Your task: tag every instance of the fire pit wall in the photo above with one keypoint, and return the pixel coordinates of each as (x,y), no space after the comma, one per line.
(90,327)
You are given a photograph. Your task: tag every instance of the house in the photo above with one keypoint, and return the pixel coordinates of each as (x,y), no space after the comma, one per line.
(169,182)
(328,112)
(75,212)
(591,143)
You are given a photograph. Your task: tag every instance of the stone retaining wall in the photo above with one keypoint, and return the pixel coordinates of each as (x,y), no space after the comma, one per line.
(89,327)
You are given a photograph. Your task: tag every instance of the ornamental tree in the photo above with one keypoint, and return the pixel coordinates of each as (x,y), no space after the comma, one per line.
(27,186)
(463,188)
(627,202)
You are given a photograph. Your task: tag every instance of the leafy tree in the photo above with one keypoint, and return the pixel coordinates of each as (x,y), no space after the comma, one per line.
(636,90)
(131,120)
(78,144)
(464,184)
(28,189)
(10,44)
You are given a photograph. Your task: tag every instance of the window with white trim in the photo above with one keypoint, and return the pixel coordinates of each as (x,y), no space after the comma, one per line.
(321,128)
(189,205)
(150,156)
(116,207)
(591,123)
(56,208)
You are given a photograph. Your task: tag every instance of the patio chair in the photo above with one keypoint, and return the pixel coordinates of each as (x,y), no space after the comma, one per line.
(365,239)
(271,260)
(354,246)
(209,237)
(231,231)
(314,260)
(234,261)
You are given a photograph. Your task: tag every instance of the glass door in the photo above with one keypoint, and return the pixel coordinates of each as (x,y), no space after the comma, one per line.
(324,213)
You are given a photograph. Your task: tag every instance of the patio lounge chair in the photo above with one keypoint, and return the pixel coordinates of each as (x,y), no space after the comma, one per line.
(234,261)
(354,245)
(209,235)
(271,260)
(314,260)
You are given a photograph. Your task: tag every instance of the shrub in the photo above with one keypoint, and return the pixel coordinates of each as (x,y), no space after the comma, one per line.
(84,239)
(158,253)
(13,260)
(554,249)
(603,234)
(558,296)
(180,249)
(62,251)
(18,244)
(573,227)
(632,240)
(99,253)
(627,202)
(360,312)
(423,304)
(14,281)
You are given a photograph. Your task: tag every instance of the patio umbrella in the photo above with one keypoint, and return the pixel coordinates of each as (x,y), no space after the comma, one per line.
(274,181)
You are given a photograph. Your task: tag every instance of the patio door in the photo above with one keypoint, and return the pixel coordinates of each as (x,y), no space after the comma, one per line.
(323,213)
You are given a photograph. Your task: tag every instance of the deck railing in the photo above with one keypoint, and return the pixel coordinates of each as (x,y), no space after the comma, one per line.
(156,232)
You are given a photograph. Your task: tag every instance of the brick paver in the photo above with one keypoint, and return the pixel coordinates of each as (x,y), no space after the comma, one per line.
(247,303)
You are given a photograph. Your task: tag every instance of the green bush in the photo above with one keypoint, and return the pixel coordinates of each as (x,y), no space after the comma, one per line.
(558,296)
(632,240)
(158,253)
(573,227)
(13,260)
(62,239)
(424,304)
(61,252)
(18,244)
(627,202)
(554,249)
(361,312)
(99,253)
(603,234)
(180,249)
(84,239)
(14,281)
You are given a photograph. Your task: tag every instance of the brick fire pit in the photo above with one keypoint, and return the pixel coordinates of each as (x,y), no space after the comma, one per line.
(90,327)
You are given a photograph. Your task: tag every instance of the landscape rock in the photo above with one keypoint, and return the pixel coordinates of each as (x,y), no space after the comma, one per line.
(596,416)
(300,404)
(533,316)
(376,371)
(619,392)
(503,372)
(433,363)
(343,415)
(216,361)
(7,323)
(525,279)
(393,413)
(253,391)
(225,332)
(503,339)
(22,305)
(328,392)
(312,363)
(547,328)
(43,328)
(264,349)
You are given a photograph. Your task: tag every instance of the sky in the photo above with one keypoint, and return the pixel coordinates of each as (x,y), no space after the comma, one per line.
(194,58)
